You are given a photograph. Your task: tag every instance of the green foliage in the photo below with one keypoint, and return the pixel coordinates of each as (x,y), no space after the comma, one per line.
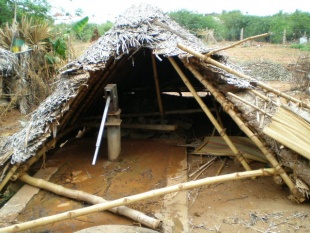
(302,47)
(87,33)
(300,23)
(36,9)
(60,47)
(234,21)
(103,28)
(228,25)
(194,22)
(189,20)
(79,26)
(5,12)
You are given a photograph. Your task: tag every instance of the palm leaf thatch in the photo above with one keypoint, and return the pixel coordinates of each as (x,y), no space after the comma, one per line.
(123,56)
(7,62)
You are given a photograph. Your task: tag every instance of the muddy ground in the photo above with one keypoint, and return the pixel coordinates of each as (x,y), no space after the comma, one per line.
(252,205)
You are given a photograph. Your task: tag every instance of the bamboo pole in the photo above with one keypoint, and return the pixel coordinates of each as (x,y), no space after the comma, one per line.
(265,98)
(227,107)
(237,43)
(208,59)
(145,114)
(221,167)
(8,176)
(220,130)
(140,126)
(158,94)
(135,198)
(83,196)
(247,103)
(18,169)
(150,127)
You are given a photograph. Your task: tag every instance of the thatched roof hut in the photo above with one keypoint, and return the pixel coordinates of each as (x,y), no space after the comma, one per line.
(124,56)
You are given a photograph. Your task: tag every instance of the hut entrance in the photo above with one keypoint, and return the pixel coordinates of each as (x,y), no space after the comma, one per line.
(155,102)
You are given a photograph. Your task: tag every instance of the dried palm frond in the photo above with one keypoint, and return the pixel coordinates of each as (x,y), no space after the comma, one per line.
(35,33)
(6,37)
(290,130)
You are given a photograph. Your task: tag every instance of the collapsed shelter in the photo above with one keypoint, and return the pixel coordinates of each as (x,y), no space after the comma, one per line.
(150,57)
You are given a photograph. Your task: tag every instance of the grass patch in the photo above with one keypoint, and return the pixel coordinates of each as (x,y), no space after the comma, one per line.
(302,47)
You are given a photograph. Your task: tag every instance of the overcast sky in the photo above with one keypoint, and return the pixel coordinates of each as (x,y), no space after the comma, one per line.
(101,11)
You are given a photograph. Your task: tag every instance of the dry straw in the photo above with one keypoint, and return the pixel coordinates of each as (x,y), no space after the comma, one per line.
(290,130)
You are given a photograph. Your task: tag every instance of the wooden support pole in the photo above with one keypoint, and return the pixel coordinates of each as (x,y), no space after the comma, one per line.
(8,176)
(135,198)
(140,126)
(242,125)
(208,59)
(89,198)
(146,114)
(158,93)
(220,130)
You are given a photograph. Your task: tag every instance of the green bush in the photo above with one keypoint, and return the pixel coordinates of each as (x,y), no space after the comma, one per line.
(302,47)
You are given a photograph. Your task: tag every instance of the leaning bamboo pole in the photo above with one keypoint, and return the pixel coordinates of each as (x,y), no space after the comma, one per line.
(208,59)
(220,130)
(93,199)
(138,197)
(237,43)
(242,125)
(158,94)
(9,175)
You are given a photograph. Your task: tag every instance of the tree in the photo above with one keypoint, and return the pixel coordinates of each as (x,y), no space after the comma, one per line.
(301,24)
(234,22)
(188,19)
(193,22)
(36,9)
(280,22)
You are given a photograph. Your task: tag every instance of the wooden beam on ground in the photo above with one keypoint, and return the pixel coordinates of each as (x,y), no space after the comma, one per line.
(138,197)
(10,211)
(89,198)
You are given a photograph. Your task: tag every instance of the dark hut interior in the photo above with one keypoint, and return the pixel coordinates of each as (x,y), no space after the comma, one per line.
(134,76)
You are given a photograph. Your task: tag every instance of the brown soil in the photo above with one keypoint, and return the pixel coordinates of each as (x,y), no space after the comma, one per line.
(143,166)
(280,54)
(252,205)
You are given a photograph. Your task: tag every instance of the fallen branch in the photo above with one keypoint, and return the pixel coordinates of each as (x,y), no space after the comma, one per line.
(138,197)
